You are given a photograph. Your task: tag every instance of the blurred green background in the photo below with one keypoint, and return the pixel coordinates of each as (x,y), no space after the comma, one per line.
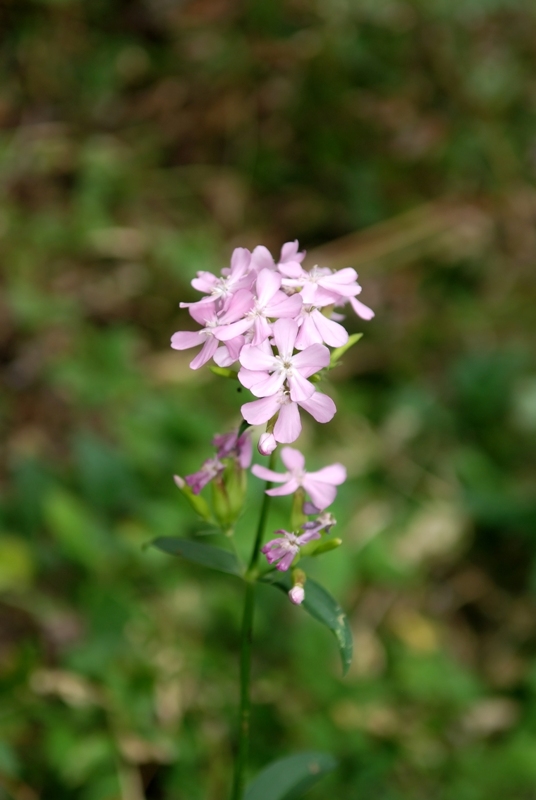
(140,141)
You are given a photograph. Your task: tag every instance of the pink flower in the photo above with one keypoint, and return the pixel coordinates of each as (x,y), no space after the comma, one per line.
(238,276)
(235,446)
(265,374)
(207,315)
(283,549)
(324,522)
(211,468)
(320,485)
(269,303)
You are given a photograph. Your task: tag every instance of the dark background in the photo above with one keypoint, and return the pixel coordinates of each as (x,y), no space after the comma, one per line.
(141,141)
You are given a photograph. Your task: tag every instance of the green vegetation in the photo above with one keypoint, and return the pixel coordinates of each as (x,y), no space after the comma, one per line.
(140,141)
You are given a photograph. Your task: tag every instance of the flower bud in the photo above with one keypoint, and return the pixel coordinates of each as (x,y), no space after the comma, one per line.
(267,444)
(297,595)
(198,503)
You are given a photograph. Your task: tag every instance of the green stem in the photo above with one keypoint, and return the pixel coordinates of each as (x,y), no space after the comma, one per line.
(245,650)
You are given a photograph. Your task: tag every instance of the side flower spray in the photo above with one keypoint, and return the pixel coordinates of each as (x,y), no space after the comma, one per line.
(276,328)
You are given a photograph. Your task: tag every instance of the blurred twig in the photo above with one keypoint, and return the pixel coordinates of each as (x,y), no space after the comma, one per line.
(426,230)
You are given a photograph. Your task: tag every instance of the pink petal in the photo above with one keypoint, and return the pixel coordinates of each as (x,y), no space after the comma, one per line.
(203,312)
(312,359)
(249,377)
(320,407)
(261,258)
(256,358)
(331,332)
(285,332)
(322,494)
(288,488)
(183,340)
(288,425)
(240,261)
(283,306)
(262,329)
(291,269)
(268,386)
(204,282)
(292,458)
(285,562)
(289,252)
(237,305)
(223,358)
(308,334)
(267,285)
(260,411)
(268,474)
(300,388)
(335,474)
(205,354)
(361,309)
(233,330)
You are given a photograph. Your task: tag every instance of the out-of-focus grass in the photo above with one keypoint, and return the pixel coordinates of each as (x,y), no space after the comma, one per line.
(140,142)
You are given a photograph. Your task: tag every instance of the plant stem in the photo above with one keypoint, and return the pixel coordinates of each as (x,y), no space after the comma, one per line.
(245,650)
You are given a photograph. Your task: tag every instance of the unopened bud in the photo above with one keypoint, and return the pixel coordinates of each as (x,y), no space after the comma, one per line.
(326,546)
(198,503)
(267,444)
(297,595)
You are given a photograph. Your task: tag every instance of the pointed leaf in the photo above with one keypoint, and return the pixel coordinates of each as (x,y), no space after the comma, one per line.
(338,353)
(199,553)
(319,603)
(289,778)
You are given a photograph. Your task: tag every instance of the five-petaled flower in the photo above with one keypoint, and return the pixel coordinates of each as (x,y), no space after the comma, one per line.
(320,485)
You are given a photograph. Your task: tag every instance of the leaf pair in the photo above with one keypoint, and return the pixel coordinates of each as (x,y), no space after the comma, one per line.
(318,602)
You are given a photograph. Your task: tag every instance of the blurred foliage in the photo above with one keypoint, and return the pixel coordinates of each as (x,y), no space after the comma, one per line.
(139,142)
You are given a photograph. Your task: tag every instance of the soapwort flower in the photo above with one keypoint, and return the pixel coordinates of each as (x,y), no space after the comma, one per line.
(320,485)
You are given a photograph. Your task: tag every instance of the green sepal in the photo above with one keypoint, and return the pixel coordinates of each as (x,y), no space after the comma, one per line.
(297,517)
(198,503)
(316,548)
(224,372)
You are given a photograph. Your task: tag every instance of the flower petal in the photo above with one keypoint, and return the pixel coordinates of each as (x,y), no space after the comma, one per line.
(312,359)
(183,340)
(320,407)
(331,332)
(268,386)
(267,285)
(260,411)
(322,494)
(300,387)
(292,458)
(288,425)
(287,488)
(257,359)
(335,474)
(205,354)
(361,309)
(285,332)
(268,474)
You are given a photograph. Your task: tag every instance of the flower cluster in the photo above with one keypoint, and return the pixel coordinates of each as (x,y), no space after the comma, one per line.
(276,321)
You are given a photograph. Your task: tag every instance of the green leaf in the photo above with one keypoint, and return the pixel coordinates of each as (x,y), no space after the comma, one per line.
(321,605)
(224,372)
(289,778)
(338,353)
(204,554)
